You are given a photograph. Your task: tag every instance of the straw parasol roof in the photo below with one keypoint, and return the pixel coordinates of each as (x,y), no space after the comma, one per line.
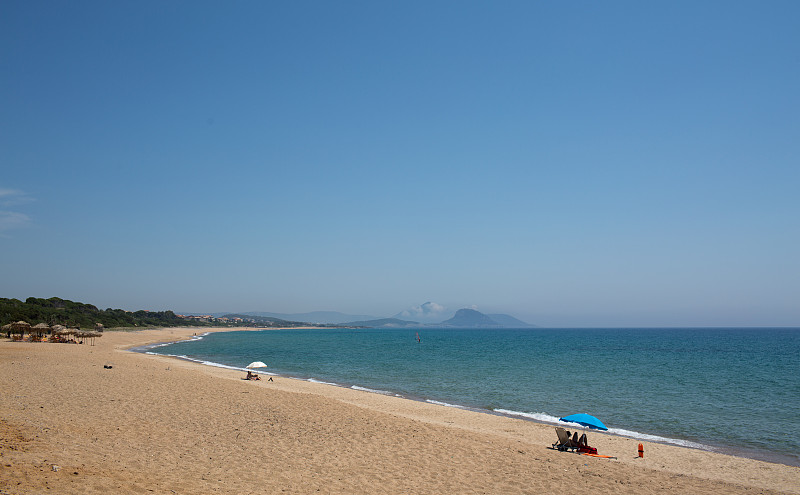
(87,334)
(61,330)
(93,335)
(20,327)
(40,328)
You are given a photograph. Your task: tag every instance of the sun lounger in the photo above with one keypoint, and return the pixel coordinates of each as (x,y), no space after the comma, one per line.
(564,441)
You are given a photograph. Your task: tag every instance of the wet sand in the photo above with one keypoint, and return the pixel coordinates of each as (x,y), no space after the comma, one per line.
(153,424)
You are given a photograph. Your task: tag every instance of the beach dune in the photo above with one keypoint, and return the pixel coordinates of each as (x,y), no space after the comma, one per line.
(153,424)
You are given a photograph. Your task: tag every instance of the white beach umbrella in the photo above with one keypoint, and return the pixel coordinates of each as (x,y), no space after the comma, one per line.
(256,364)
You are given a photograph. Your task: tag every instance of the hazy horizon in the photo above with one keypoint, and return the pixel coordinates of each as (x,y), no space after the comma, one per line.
(582,164)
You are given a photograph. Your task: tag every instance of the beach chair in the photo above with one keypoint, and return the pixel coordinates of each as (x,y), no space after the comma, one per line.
(564,442)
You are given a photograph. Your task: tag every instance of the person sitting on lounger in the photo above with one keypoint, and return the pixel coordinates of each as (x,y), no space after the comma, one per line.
(252,376)
(565,441)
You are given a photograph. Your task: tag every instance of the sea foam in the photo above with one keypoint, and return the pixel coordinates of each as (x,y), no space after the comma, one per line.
(374,391)
(314,380)
(658,439)
(440,403)
(535,416)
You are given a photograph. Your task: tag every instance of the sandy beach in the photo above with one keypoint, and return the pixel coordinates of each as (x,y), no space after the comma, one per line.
(152,424)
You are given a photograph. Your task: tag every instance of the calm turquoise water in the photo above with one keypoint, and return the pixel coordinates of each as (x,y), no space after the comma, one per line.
(730,390)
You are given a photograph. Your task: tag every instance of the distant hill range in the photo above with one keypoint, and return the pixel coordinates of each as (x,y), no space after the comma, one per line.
(463,318)
(318,317)
(75,314)
(263,321)
(384,323)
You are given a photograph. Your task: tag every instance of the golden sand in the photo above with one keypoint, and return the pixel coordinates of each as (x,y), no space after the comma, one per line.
(153,424)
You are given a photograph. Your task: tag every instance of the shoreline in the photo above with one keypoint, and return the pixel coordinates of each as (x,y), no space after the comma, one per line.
(495,412)
(301,435)
(742,452)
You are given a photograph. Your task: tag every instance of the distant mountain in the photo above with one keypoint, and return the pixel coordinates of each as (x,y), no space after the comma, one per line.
(428,314)
(384,323)
(320,317)
(509,321)
(468,318)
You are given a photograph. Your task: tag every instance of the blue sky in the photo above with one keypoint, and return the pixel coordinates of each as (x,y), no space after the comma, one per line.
(570,163)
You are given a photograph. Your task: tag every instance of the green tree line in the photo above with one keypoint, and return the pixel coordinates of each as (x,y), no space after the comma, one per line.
(57,311)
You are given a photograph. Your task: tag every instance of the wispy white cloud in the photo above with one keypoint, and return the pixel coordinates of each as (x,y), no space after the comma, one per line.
(11,197)
(9,219)
(429,309)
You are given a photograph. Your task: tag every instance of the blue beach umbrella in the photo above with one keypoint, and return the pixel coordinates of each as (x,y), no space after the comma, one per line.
(584,419)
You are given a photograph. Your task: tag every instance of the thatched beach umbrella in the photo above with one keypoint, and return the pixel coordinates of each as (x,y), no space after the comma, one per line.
(20,327)
(93,335)
(58,331)
(88,334)
(70,331)
(41,328)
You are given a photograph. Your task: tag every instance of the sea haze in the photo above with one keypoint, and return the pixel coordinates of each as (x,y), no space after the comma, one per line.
(730,390)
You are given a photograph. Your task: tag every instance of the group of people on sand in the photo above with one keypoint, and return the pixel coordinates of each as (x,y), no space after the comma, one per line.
(581,444)
(254,376)
(578,442)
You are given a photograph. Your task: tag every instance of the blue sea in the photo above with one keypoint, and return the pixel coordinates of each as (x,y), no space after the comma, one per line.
(728,390)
